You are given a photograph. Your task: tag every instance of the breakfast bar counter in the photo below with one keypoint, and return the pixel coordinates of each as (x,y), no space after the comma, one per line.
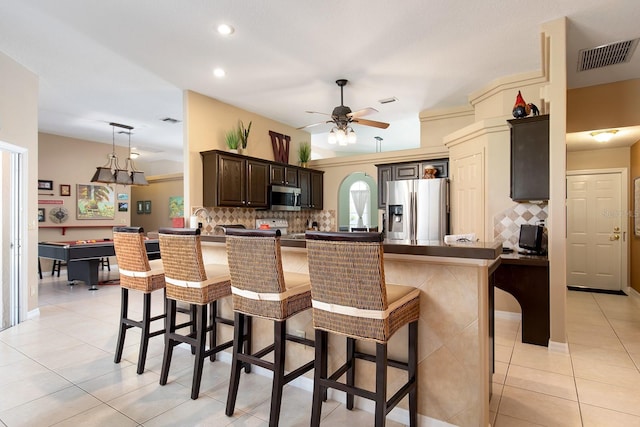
(454,327)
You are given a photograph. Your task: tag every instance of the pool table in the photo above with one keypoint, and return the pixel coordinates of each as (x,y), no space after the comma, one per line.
(83,256)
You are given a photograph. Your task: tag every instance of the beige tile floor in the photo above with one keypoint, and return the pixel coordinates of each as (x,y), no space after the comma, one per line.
(57,369)
(597,384)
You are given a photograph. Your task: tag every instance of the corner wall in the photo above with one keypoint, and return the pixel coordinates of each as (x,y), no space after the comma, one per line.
(634,240)
(19,127)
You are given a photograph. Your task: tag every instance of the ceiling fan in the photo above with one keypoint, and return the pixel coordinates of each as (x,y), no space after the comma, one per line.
(343,117)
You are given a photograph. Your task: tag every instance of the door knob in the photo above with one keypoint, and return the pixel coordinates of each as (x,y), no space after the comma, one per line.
(616,236)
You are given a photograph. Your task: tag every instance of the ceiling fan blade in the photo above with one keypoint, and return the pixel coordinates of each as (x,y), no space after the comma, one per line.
(363,112)
(373,123)
(311,125)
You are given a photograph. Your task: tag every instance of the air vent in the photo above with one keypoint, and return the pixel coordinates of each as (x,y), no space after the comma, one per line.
(388,100)
(605,55)
(170,120)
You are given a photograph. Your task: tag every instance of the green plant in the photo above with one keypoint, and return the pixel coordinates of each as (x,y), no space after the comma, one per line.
(244,133)
(304,152)
(232,138)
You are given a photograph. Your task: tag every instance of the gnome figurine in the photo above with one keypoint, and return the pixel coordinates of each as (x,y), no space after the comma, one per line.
(521,109)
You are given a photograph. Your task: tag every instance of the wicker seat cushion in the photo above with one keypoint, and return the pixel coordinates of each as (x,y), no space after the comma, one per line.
(216,273)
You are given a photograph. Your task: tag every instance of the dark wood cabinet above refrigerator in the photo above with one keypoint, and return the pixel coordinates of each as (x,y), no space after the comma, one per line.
(406,170)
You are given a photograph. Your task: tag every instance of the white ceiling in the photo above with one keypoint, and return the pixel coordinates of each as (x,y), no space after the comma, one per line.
(129,61)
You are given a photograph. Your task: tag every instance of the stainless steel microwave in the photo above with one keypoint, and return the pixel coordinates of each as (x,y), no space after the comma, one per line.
(283,198)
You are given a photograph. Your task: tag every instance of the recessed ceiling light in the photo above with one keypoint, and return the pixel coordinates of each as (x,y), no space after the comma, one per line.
(225,29)
(219,72)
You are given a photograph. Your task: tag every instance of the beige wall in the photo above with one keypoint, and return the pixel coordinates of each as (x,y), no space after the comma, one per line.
(206,122)
(436,124)
(80,158)
(19,128)
(598,159)
(634,240)
(603,106)
(158,191)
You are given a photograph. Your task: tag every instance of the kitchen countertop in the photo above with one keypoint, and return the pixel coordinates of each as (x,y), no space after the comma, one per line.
(515,258)
(477,250)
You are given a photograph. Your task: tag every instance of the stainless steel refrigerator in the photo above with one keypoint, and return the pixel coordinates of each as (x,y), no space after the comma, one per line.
(417,209)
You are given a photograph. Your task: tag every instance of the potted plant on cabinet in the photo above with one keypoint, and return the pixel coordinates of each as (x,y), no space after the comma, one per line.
(244,135)
(304,153)
(232,138)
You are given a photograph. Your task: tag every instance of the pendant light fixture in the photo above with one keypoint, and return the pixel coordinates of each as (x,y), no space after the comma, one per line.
(111,172)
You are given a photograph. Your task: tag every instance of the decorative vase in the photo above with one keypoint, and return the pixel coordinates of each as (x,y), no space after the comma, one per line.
(233,150)
(303,164)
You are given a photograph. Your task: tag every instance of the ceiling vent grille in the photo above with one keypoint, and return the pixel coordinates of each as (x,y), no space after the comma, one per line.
(605,55)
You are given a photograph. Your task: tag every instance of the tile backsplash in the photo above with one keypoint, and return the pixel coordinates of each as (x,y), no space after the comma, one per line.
(326,219)
(506,224)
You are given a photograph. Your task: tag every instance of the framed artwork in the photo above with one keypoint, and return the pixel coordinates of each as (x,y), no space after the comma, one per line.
(95,202)
(123,206)
(41,216)
(45,185)
(123,196)
(140,207)
(147,206)
(65,190)
(176,207)
(636,207)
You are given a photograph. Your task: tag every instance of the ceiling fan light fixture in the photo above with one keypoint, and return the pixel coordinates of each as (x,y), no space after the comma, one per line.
(604,136)
(351,136)
(332,139)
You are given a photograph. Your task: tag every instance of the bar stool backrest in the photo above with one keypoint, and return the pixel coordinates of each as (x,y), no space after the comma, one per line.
(348,287)
(133,263)
(255,266)
(181,253)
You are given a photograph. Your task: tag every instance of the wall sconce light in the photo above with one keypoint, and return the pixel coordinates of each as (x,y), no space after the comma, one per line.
(604,136)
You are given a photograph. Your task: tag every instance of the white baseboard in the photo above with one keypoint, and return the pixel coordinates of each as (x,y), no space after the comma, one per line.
(33,314)
(560,347)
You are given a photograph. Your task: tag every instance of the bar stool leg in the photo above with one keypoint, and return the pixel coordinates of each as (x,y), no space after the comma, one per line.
(351,372)
(168,341)
(381,385)
(248,335)
(413,374)
(146,330)
(236,366)
(319,373)
(279,334)
(213,334)
(124,309)
(201,339)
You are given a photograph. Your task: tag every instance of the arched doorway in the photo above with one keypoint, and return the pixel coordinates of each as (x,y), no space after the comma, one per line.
(357,202)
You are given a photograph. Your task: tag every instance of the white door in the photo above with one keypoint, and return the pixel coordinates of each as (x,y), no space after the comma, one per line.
(596,230)
(467,195)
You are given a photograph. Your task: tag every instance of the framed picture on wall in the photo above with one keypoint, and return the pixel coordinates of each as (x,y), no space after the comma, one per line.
(147,206)
(123,206)
(41,216)
(140,207)
(65,190)
(44,184)
(95,202)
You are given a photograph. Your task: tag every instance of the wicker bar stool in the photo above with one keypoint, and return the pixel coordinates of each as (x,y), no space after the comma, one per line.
(201,285)
(261,288)
(140,274)
(350,298)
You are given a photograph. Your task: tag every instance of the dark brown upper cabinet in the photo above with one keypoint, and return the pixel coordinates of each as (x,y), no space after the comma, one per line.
(530,158)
